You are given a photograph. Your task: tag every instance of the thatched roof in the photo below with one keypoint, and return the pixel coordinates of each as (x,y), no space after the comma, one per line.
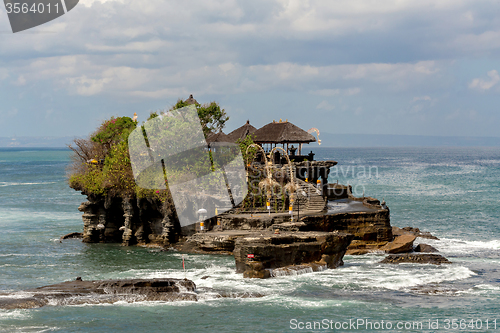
(282,132)
(191,100)
(217,137)
(241,132)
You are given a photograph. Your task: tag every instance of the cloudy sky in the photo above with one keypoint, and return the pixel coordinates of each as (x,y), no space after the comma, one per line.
(345,66)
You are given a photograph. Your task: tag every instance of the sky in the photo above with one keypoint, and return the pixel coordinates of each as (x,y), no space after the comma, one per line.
(364,67)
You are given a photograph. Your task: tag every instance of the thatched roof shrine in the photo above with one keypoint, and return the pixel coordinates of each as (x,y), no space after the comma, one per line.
(281,133)
(241,132)
(217,137)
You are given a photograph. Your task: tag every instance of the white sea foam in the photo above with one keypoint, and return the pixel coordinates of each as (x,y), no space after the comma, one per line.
(487,287)
(302,302)
(14,314)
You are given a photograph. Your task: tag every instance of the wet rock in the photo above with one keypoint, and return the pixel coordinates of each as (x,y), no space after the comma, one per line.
(425,248)
(97,292)
(419,258)
(401,244)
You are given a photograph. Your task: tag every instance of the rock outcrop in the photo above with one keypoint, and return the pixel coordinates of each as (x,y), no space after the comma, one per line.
(72,235)
(412,231)
(97,292)
(256,255)
(366,226)
(419,258)
(400,244)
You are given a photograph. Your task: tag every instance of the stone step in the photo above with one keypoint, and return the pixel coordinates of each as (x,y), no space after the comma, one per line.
(315,202)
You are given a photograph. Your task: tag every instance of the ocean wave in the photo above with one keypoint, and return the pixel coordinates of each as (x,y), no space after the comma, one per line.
(460,246)
(4,184)
(487,161)
(371,275)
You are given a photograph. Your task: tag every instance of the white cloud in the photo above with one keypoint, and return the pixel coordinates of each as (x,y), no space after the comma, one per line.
(386,53)
(21,81)
(13,112)
(161,94)
(421,98)
(146,47)
(468,115)
(4,73)
(481,84)
(324,105)
(334,92)
(89,3)
(86,86)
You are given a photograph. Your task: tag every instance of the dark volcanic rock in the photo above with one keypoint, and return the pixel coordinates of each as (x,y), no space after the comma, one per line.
(425,248)
(435,259)
(96,292)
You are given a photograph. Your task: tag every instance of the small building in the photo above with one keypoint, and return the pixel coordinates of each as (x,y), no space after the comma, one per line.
(191,100)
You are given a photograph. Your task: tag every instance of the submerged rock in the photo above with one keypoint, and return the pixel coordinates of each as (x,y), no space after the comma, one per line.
(97,292)
(419,258)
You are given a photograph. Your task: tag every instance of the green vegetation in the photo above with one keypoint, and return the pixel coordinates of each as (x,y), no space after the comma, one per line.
(101,164)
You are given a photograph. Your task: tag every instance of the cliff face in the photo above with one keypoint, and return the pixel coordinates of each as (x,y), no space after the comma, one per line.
(128,221)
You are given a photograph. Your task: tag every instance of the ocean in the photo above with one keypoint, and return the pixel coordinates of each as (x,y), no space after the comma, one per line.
(454,193)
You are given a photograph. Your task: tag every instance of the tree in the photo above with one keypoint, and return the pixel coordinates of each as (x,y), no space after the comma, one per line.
(212,117)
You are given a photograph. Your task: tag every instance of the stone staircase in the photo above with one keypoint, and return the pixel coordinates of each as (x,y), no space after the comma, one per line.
(314,201)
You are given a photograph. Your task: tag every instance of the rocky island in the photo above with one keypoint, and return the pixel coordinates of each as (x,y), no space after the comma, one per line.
(291,219)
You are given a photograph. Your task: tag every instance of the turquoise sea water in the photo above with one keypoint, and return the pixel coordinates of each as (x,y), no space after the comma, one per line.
(452,192)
